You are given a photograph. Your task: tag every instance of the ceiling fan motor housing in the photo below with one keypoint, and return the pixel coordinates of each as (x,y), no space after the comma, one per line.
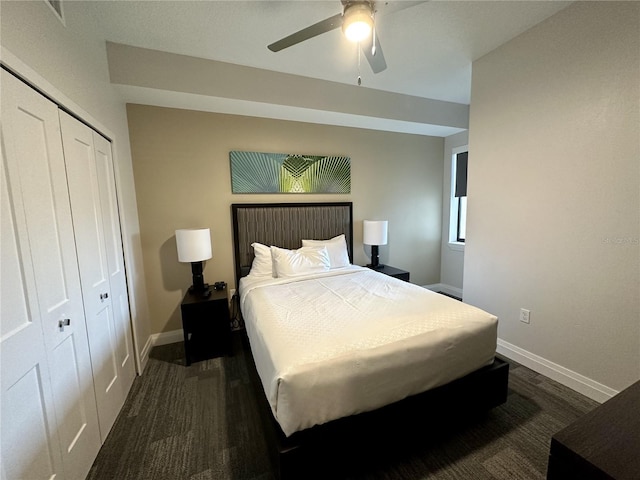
(357,21)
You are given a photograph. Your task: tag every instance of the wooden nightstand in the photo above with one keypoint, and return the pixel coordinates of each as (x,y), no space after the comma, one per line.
(206,325)
(393,272)
(603,444)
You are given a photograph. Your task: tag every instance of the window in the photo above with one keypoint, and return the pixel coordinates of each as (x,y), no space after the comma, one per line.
(458,218)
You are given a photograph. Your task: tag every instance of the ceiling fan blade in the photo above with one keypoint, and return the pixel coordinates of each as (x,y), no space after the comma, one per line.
(375,57)
(319,28)
(377,61)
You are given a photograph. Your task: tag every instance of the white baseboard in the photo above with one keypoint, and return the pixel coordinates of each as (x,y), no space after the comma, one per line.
(443,287)
(165,338)
(144,354)
(581,384)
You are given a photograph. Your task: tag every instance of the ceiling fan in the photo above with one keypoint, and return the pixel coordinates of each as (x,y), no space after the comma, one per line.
(357,22)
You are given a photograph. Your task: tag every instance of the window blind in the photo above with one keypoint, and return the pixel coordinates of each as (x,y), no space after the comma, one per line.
(461,174)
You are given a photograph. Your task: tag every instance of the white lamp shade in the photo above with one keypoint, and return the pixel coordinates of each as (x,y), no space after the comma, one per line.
(194,244)
(375,232)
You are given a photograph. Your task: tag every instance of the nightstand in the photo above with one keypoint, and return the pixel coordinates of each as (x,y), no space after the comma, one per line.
(603,443)
(393,272)
(206,325)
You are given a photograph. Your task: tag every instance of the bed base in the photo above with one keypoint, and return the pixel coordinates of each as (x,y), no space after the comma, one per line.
(312,453)
(306,454)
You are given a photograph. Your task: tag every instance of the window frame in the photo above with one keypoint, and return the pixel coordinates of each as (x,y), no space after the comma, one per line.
(461,208)
(455,241)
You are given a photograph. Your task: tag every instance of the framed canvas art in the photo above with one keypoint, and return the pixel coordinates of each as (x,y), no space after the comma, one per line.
(258,172)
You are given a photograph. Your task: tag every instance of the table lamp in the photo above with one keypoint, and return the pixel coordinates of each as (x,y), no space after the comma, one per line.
(194,246)
(375,234)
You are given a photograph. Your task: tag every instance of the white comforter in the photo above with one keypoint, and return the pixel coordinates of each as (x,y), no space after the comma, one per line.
(352,340)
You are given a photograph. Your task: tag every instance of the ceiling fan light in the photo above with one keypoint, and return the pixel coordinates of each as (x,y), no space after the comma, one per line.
(357,22)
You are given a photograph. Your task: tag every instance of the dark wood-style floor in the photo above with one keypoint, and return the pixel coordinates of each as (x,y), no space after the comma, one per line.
(201,422)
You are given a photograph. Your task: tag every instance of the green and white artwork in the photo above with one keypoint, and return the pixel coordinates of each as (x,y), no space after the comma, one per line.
(256,172)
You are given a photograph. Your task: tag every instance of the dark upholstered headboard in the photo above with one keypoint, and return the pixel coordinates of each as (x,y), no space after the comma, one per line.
(285,225)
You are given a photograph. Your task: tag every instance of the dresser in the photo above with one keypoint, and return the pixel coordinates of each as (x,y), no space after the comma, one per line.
(603,444)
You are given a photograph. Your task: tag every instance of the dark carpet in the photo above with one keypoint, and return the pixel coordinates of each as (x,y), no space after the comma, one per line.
(201,422)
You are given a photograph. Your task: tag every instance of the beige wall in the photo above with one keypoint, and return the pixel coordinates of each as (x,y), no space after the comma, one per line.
(554,192)
(70,65)
(181,167)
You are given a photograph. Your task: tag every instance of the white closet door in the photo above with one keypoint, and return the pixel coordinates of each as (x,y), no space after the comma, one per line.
(115,260)
(49,419)
(86,208)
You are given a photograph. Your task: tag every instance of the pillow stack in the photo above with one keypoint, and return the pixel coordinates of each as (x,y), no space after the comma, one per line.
(337,248)
(304,261)
(313,257)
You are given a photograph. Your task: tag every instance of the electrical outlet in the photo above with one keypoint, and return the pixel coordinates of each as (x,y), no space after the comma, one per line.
(524,315)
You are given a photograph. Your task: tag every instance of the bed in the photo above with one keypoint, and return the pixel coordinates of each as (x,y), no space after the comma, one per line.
(338,348)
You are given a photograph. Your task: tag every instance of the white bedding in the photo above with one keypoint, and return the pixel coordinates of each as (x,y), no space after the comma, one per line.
(351,340)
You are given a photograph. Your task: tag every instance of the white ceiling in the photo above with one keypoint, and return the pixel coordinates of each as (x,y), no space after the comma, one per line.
(428,47)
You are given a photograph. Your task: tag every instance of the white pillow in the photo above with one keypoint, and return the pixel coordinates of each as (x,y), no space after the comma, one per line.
(262,265)
(305,260)
(337,248)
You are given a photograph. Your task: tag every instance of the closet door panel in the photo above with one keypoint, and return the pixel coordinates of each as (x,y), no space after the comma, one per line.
(27,447)
(43,355)
(84,190)
(115,258)
(72,409)
(87,216)
(26,394)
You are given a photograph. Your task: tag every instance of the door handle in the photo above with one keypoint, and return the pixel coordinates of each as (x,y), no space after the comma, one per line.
(64,323)
(104,296)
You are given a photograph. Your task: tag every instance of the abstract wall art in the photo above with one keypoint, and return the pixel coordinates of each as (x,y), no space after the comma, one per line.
(256,172)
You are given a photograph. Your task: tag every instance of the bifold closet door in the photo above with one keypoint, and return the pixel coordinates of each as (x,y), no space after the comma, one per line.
(115,260)
(101,272)
(49,418)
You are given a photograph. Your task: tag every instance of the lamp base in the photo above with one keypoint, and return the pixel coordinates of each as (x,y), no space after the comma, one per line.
(375,267)
(375,258)
(198,287)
